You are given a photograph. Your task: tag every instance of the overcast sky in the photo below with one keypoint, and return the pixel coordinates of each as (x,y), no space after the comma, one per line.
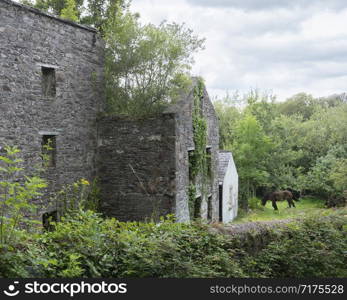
(279,46)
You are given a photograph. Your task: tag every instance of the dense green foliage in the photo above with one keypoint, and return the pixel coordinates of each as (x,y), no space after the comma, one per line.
(85,245)
(300,143)
(146,66)
(17,191)
(91,12)
(313,247)
(198,159)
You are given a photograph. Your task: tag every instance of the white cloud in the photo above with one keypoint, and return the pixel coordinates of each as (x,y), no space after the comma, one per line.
(281,46)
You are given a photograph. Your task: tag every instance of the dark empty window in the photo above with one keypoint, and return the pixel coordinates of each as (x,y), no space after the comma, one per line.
(209,208)
(197,208)
(49,150)
(209,161)
(48,82)
(191,161)
(48,218)
(220,203)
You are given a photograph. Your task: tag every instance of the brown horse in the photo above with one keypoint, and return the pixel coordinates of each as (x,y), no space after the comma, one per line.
(278,196)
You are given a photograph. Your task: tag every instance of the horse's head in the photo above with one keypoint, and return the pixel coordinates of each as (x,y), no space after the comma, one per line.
(296,194)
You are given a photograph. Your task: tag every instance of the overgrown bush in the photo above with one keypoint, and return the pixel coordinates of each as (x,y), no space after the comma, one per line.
(85,245)
(17,191)
(15,258)
(255,203)
(312,247)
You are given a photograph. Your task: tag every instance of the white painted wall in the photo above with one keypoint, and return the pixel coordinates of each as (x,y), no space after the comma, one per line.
(230,192)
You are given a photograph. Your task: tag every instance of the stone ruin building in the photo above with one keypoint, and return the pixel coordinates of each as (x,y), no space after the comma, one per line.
(51,85)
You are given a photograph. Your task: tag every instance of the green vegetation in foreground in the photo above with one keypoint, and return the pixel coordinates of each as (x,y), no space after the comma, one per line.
(84,245)
(305,206)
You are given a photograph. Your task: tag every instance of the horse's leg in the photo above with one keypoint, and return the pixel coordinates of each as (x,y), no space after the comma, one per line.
(293,204)
(274,205)
(290,203)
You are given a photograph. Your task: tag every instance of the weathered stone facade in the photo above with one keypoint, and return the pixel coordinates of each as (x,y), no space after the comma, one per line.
(32,45)
(184,144)
(143,165)
(51,87)
(136,167)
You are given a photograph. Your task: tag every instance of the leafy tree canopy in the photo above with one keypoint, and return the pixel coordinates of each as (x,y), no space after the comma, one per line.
(146,65)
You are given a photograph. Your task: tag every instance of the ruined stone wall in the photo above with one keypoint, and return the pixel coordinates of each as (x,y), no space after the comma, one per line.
(32,43)
(213,142)
(136,167)
(185,143)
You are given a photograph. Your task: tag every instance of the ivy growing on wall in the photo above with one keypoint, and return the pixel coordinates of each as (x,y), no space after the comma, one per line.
(191,199)
(198,160)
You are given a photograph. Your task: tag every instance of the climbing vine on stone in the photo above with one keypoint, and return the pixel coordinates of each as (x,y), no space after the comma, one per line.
(198,159)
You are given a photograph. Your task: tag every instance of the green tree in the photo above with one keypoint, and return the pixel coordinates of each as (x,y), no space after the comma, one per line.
(228,116)
(262,107)
(145,63)
(283,164)
(98,11)
(327,177)
(70,12)
(92,12)
(302,104)
(338,175)
(56,7)
(251,149)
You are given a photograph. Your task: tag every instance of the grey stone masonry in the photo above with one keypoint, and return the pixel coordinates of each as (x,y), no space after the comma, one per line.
(143,165)
(185,143)
(51,77)
(136,167)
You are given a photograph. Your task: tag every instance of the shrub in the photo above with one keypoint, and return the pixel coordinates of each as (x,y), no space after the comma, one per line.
(255,203)
(85,245)
(16,194)
(17,191)
(311,247)
(76,246)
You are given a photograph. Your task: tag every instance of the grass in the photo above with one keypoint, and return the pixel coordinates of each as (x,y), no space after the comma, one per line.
(303,207)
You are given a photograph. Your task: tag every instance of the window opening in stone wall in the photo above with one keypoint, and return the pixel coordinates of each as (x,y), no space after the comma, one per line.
(49,151)
(191,163)
(209,161)
(2,150)
(48,82)
(209,208)
(48,218)
(197,208)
